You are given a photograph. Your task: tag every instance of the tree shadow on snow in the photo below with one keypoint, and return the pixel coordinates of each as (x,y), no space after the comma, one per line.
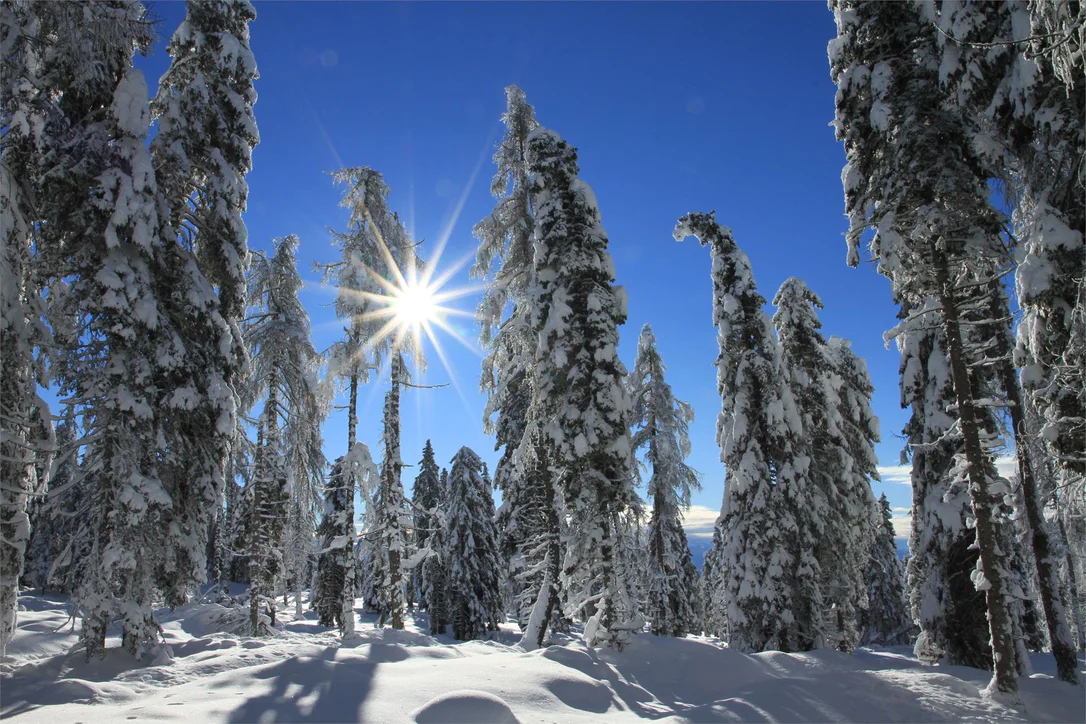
(317,688)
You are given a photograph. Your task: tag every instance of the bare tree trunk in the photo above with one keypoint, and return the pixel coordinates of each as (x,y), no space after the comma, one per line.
(992,560)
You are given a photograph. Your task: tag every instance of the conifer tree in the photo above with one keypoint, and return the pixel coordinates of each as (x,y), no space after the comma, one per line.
(288,428)
(471,549)
(529,523)
(769,576)
(426,497)
(886,619)
(913,175)
(433,583)
(577,422)
(661,428)
(833,399)
(334,536)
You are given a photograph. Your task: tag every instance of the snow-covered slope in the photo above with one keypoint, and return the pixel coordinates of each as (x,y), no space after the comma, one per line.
(306,674)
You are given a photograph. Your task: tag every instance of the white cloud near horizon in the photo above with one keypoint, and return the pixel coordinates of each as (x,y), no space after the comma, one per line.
(901,474)
(698,522)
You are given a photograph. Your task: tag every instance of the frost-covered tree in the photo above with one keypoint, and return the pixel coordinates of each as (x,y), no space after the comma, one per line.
(76,177)
(661,430)
(886,619)
(287,459)
(391,518)
(577,421)
(202,153)
(206,135)
(471,549)
(914,177)
(769,575)
(833,398)
(433,570)
(53,521)
(426,497)
(529,526)
(336,546)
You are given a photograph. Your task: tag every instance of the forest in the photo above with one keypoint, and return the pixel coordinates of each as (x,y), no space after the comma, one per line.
(162,398)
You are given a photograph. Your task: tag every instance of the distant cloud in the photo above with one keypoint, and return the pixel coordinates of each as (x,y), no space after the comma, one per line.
(902,522)
(901,474)
(699,521)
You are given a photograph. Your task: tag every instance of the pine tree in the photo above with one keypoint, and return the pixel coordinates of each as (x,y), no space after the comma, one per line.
(529,523)
(913,176)
(768,572)
(661,428)
(425,498)
(22,327)
(73,137)
(471,549)
(833,399)
(202,153)
(288,428)
(433,585)
(577,419)
(52,520)
(886,619)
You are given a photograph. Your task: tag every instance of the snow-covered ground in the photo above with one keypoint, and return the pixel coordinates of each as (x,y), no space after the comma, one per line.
(306,674)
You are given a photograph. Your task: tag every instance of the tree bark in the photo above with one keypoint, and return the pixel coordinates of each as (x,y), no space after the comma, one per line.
(992,559)
(1059,635)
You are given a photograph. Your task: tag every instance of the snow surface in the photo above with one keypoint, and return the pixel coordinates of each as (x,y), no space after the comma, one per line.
(306,674)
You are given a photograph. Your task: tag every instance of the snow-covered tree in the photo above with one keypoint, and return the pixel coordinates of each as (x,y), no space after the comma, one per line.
(287,460)
(336,547)
(528,523)
(914,177)
(202,152)
(833,398)
(579,410)
(53,519)
(471,549)
(886,619)
(426,498)
(767,567)
(391,522)
(661,429)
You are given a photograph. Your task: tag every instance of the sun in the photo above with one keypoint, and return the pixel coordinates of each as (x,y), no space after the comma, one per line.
(415,305)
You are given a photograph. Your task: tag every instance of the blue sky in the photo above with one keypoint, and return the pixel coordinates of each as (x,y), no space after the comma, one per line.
(674,107)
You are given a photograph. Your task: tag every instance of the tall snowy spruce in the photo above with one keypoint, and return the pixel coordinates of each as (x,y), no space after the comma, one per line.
(914,177)
(833,398)
(886,620)
(471,550)
(288,462)
(426,498)
(529,526)
(577,421)
(22,329)
(202,152)
(661,429)
(768,573)
(336,540)
(1014,69)
(433,578)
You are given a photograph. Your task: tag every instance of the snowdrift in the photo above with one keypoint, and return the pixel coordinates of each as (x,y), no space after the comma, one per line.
(306,674)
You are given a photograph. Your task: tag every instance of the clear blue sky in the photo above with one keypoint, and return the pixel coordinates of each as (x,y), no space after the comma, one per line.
(674,107)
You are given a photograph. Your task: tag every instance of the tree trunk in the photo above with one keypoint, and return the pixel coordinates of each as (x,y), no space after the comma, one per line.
(346,616)
(992,559)
(1059,635)
(394,574)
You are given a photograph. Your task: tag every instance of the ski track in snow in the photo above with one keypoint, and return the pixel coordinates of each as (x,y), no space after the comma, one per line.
(306,674)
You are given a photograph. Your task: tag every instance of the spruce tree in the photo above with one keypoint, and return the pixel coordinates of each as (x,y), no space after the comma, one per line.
(529,522)
(287,459)
(426,496)
(577,422)
(661,429)
(886,619)
(834,404)
(914,176)
(471,549)
(769,576)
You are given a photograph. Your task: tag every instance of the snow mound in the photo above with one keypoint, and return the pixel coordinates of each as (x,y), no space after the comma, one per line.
(465,706)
